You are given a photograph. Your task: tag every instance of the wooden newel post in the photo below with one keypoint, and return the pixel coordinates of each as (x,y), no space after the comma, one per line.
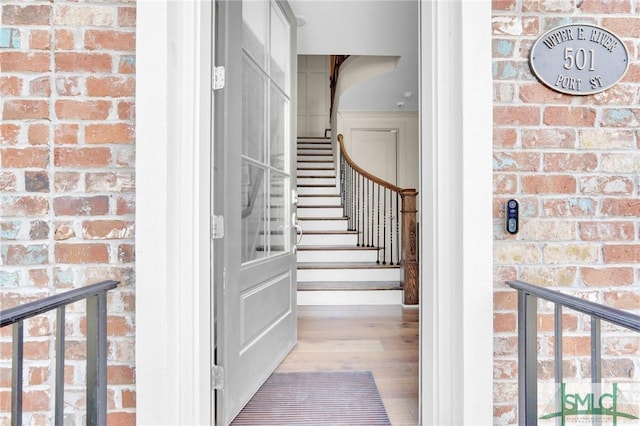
(409,266)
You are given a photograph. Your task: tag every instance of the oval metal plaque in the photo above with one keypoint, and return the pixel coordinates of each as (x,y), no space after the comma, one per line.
(579,59)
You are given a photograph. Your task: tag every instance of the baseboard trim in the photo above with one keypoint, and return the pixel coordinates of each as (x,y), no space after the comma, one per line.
(366,297)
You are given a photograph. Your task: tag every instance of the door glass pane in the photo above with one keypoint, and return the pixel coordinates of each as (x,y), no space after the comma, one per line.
(254,86)
(278,202)
(266,225)
(255,14)
(279,48)
(253,212)
(278,135)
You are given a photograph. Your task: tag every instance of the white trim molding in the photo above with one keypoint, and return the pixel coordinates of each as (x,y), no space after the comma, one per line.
(456,232)
(173,297)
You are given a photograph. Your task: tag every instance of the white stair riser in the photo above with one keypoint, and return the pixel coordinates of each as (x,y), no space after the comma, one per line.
(373,274)
(357,298)
(316,180)
(329,173)
(319,201)
(329,239)
(276,226)
(318,190)
(313,165)
(324,225)
(333,212)
(326,158)
(278,239)
(334,256)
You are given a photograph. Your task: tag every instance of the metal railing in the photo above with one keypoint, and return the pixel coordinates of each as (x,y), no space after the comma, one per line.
(384,216)
(528,294)
(96,297)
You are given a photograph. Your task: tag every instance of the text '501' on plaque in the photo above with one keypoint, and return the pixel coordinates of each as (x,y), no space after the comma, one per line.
(579,59)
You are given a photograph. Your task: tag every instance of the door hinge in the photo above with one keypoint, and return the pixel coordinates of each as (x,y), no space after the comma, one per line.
(217,377)
(218,78)
(217,227)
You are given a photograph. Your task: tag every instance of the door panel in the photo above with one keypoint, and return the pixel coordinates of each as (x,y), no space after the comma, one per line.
(376,152)
(263,307)
(256,298)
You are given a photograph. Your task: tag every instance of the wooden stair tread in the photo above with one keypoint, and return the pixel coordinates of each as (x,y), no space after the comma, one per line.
(316,168)
(330,232)
(335,248)
(323,218)
(320,206)
(344,265)
(318,195)
(349,285)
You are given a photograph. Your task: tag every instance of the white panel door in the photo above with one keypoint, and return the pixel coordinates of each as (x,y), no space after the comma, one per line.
(376,152)
(255,295)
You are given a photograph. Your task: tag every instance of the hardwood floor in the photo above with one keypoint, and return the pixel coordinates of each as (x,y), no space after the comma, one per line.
(380,339)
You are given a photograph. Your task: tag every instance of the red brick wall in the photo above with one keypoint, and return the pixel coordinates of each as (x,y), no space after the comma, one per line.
(67,187)
(573,163)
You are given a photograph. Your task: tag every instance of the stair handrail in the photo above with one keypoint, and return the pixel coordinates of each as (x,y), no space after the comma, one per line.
(362,208)
(334,71)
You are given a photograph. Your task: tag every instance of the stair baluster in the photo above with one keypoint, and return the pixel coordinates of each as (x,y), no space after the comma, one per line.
(378,226)
(391,229)
(357,207)
(354,203)
(366,230)
(369,203)
(398,228)
(393,219)
(344,195)
(365,211)
(384,229)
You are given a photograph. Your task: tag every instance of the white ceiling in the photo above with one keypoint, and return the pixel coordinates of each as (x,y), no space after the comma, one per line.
(373,27)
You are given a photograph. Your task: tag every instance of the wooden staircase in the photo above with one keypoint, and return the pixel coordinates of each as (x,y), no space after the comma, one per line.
(329,257)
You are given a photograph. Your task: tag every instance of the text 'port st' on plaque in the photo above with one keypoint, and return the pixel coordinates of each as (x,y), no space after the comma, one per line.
(579,59)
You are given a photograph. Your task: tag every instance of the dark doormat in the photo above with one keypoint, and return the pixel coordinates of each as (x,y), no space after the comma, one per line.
(322,398)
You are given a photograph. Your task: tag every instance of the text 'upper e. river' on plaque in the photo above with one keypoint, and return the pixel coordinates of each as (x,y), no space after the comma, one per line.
(579,59)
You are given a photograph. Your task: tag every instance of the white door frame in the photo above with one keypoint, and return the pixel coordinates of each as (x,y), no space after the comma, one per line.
(456,265)
(173,273)
(173,300)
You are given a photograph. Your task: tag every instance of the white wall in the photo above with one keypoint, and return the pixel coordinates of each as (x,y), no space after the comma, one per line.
(382,28)
(313,95)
